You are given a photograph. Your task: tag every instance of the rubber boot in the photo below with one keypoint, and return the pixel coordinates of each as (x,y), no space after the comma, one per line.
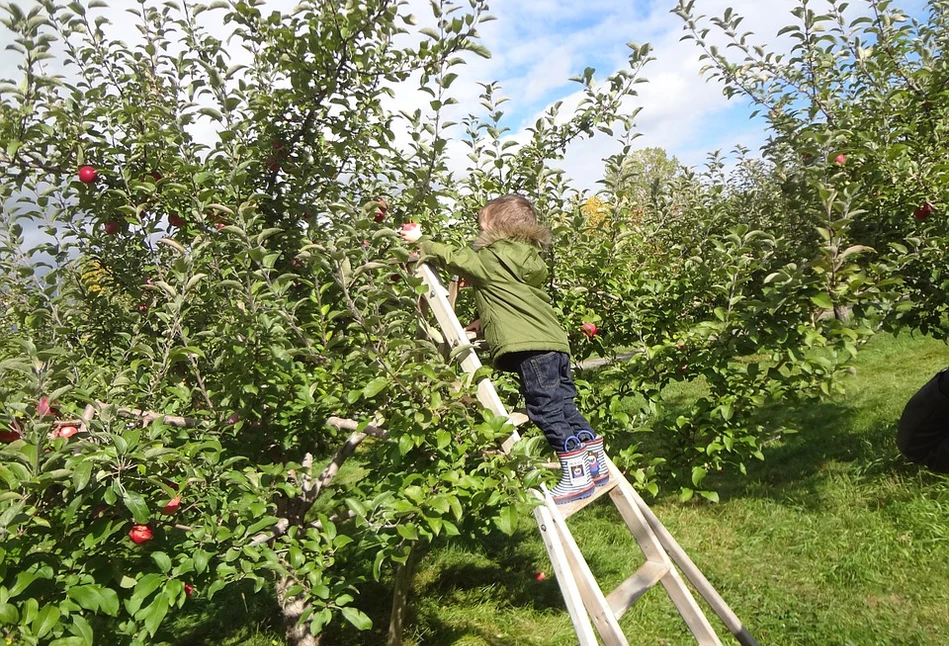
(596,457)
(575,481)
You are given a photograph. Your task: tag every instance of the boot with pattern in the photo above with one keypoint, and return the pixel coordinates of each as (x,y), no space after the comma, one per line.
(575,480)
(596,457)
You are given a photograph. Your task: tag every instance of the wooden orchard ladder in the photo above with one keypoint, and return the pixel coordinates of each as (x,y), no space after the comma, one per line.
(589,608)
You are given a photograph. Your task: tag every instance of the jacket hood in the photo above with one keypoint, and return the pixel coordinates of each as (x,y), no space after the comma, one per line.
(532,233)
(521,259)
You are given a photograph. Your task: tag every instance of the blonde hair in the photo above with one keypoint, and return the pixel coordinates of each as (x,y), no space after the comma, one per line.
(510,216)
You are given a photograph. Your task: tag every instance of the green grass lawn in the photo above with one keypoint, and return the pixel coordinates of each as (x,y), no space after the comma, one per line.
(834,539)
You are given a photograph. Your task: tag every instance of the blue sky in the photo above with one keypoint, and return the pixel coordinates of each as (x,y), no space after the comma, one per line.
(537,45)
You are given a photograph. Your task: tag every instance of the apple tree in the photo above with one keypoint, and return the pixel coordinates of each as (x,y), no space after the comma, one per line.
(208,340)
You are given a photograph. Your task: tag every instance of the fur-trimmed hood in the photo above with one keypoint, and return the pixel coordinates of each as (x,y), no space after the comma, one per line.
(532,233)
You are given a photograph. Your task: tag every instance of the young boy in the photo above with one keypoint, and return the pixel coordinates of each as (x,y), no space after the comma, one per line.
(521,328)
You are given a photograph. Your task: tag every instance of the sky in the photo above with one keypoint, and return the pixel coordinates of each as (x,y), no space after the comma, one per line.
(537,45)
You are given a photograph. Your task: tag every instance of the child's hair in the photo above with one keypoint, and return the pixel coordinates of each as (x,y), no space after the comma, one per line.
(510,216)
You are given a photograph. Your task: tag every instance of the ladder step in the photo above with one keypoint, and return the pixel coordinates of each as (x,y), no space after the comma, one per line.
(517,419)
(625,595)
(569,509)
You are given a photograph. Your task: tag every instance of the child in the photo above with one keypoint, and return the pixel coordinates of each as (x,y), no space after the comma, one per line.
(521,328)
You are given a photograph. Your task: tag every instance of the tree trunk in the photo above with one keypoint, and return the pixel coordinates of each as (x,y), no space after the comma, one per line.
(297,634)
(400,596)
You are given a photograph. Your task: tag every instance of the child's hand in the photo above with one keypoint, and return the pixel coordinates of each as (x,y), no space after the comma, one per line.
(474,326)
(410,232)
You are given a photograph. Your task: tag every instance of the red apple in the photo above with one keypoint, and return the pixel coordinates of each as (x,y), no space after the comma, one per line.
(67,431)
(234,418)
(111,227)
(87,174)
(840,159)
(140,534)
(44,408)
(539,576)
(923,211)
(380,216)
(273,165)
(189,589)
(142,308)
(219,226)
(176,221)
(172,506)
(589,329)
(7,436)
(155,175)
(408,226)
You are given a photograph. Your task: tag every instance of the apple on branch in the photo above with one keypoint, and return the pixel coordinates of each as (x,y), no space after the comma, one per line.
(923,211)
(140,534)
(589,329)
(88,174)
(381,213)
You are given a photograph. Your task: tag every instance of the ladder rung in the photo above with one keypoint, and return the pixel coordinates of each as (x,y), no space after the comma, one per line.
(518,418)
(627,592)
(569,509)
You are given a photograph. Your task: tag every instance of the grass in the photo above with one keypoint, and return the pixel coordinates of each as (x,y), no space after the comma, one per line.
(833,540)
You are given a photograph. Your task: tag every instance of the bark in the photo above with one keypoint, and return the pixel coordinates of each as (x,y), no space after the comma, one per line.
(400,597)
(298,634)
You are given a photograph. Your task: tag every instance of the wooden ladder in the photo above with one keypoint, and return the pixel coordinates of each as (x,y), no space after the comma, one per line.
(586,603)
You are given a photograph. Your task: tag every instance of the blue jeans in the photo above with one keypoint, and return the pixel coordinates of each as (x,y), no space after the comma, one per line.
(548,392)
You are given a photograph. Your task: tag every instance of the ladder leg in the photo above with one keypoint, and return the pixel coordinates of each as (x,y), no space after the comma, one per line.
(692,572)
(564,574)
(625,499)
(593,599)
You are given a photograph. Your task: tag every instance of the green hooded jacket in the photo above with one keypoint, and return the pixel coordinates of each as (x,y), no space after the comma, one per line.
(509,279)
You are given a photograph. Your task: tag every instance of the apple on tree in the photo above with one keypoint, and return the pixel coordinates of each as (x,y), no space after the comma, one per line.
(589,329)
(88,174)
(381,213)
(140,534)
(44,408)
(923,211)
(7,436)
(111,227)
(64,432)
(840,159)
(172,506)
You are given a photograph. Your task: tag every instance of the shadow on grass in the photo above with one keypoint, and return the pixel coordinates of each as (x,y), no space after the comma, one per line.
(237,615)
(829,436)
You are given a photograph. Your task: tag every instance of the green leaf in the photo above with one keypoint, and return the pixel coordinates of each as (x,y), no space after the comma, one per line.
(374,387)
(506,520)
(822,301)
(136,504)
(82,474)
(357,618)
(155,613)
(201,559)
(162,560)
(45,621)
(82,629)
(8,613)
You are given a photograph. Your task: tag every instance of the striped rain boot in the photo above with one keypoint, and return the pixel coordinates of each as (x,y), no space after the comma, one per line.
(596,456)
(575,481)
